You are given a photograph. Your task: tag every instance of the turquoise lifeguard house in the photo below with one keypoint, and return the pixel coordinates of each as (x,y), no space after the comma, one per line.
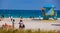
(49,12)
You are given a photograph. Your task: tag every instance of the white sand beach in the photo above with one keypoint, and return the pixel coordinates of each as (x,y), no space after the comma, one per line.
(33,24)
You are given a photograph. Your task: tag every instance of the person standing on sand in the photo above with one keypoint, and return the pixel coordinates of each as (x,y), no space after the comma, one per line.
(13,23)
(21,25)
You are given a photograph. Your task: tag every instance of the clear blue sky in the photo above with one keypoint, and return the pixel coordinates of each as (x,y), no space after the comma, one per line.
(27,4)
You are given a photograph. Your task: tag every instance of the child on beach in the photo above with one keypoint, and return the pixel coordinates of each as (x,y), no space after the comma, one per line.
(21,25)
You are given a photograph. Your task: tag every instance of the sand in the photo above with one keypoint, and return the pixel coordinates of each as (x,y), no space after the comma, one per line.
(33,24)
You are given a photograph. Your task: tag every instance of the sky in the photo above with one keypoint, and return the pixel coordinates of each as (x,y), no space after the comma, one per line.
(27,4)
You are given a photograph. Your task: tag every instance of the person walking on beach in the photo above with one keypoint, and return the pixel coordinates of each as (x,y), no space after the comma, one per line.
(13,23)
(21,25)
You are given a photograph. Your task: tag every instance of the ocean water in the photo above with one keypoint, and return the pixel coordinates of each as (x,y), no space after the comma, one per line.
(24,13)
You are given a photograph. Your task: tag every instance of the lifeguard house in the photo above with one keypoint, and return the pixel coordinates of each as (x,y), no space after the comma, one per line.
(49,12)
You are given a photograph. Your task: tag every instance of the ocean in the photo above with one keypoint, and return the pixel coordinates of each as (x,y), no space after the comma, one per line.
(24,13)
